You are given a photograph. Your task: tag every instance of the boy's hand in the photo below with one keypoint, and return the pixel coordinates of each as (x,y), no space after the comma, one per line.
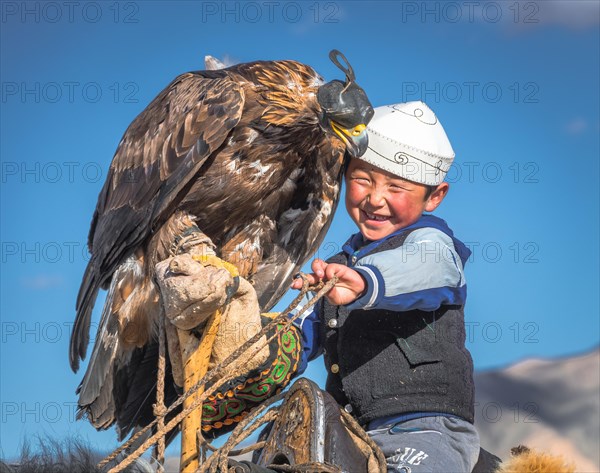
(350,285)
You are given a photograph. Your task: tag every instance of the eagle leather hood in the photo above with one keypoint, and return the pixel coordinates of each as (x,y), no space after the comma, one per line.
(347,105)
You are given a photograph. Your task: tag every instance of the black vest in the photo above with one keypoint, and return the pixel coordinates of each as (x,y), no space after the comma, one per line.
(383,363)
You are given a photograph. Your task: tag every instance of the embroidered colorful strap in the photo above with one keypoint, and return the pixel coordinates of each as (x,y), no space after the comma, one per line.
(236,398)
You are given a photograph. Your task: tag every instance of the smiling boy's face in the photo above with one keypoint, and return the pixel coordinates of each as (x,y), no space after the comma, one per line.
(381,203)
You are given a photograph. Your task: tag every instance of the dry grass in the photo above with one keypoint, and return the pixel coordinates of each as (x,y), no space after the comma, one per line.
(66,456)
(525,460)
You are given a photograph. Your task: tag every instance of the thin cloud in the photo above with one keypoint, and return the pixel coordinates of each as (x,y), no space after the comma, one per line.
(576,126)
(576,14)
(317,15)
(572,14)
(41,282)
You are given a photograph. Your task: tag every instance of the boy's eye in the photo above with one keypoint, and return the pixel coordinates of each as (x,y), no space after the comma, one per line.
(361,179)
(398,187)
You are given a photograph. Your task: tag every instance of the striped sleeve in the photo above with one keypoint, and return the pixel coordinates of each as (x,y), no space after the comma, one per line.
(424,273)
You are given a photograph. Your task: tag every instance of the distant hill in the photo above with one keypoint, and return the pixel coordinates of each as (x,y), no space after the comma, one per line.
(553,405)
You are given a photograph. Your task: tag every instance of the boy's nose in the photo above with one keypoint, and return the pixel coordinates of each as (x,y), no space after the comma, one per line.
(376,198)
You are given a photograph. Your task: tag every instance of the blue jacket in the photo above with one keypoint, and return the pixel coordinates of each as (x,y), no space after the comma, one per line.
(426,272)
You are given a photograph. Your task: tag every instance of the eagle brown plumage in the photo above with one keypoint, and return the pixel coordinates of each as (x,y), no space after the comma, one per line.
(253,155)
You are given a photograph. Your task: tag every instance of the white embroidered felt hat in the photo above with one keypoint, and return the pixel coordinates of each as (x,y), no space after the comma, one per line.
(407,140)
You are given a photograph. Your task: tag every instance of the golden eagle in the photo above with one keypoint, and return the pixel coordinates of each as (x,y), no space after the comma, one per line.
(253,155)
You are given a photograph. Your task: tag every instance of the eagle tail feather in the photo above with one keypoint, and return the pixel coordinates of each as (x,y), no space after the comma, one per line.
(96,391)
(86,298)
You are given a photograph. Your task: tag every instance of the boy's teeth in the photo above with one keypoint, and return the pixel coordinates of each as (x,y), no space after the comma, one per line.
(376,217)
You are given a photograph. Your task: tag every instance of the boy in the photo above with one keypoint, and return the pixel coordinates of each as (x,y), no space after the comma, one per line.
(392,329)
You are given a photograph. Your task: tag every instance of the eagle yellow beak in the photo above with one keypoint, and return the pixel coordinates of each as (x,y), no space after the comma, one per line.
(356,138)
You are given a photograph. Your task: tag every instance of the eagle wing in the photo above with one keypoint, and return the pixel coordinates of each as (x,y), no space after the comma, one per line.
(159,154)
(302,230)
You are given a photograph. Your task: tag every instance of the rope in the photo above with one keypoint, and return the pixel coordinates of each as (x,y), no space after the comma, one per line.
(313,467)
(357,430)
(233,453)
(218,461)
(159,408)
(241,432)
(224,372)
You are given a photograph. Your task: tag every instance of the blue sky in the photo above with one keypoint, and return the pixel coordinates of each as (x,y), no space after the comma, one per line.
(516,86)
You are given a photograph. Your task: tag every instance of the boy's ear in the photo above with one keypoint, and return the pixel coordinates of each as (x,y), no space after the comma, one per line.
(437,196)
